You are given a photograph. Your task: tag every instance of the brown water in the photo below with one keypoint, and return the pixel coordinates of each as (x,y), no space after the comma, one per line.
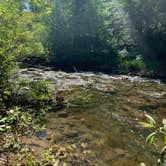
(103,113)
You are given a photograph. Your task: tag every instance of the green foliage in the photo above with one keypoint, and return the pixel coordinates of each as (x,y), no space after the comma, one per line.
(158,131)
(80,32)
(20,36)
(126,63)
(28,157)
(15,124)
(22,93)
(32,99)
(38,89)
(77,31)
(147,18)
(90,34)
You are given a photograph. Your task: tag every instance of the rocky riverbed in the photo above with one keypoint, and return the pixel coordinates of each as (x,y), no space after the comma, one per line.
(101,115)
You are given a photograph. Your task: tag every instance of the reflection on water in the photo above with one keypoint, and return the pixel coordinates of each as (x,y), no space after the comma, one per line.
(103,112)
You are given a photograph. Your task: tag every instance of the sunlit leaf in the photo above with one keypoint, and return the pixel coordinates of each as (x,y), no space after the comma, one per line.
(3,120)
(2,127)
(164,124)
(49,10)
(165,139)
(151,120)
(6,92)
(149,125)
(142,164)
(151,137)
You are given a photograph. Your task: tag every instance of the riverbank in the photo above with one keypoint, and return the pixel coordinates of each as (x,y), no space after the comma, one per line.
(39,63)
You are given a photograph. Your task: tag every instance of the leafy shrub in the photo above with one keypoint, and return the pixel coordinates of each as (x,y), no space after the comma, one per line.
(135,65)
(29,101)
(23,93)
(159,131)
(15,124)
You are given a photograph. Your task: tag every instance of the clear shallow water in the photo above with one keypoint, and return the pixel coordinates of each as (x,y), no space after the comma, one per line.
(103,112)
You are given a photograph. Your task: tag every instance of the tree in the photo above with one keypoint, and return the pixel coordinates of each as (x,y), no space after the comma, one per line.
(20,36)
(149,29)
(77,32)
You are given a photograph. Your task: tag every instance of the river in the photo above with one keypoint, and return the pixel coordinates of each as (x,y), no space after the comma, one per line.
(102,114)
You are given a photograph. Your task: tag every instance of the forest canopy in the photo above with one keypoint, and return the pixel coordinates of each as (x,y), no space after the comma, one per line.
(112,35)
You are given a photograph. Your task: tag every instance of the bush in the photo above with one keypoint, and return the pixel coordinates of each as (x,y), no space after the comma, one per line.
(133,66)
(153,66)
(27,94)
(136,66)
(24,106)
(159,131)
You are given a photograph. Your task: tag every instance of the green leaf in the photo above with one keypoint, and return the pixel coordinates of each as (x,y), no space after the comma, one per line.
(3,120)
(165,139)
(151,137)
(151,120)
(164,124)
(6,92)
(2,127)
(49,10)
(149,125)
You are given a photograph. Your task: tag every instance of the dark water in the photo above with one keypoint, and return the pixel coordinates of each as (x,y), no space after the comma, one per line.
(103,113)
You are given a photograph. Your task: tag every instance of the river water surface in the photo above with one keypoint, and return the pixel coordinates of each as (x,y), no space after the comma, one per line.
(103,112)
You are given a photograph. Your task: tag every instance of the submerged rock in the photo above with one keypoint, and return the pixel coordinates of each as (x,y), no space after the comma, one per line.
(62,115)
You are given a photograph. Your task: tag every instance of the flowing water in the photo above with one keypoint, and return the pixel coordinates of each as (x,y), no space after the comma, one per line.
(103,113)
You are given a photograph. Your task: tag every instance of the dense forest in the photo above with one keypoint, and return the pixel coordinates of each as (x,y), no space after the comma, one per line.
(107,36)
(110,36)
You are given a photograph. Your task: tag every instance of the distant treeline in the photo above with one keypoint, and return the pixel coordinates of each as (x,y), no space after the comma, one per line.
(112,35)
(118,36)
